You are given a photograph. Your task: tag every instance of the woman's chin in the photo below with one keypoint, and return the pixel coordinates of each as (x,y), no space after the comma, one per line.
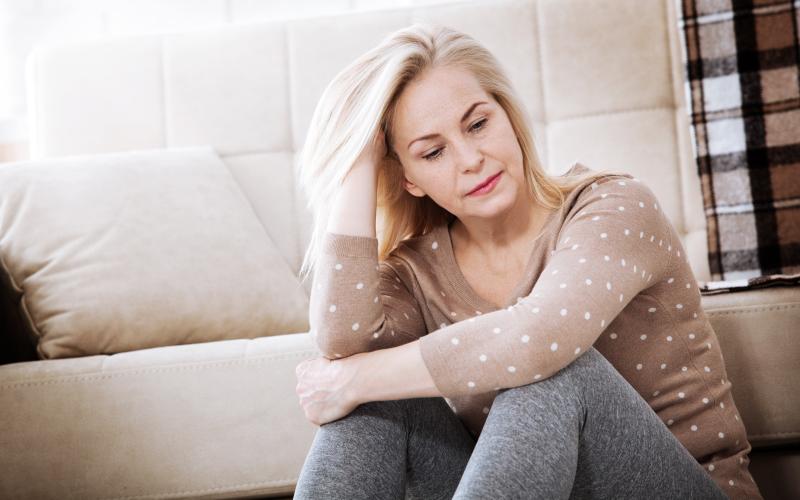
(494,205)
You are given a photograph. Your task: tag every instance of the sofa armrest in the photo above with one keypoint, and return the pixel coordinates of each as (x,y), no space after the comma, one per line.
(758,334)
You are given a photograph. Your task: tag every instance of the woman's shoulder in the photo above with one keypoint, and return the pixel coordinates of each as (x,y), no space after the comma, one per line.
(591,178)
(617,204)
(606,186)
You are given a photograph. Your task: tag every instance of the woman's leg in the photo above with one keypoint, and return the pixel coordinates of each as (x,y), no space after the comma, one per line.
(407,448)
(439,447)
(583,433)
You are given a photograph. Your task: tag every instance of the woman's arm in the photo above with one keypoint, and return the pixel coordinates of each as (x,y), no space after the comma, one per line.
(358,304)
(355,206)
(329,390)
(396,373)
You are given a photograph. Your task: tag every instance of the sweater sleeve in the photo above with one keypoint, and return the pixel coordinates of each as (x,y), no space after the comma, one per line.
(611,248)
(358,304)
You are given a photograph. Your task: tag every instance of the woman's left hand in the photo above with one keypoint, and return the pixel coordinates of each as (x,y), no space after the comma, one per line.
(327,388)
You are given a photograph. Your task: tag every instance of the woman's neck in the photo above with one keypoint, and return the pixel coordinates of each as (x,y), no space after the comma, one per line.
(511,238)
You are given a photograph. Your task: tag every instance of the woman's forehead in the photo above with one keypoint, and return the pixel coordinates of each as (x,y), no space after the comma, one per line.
(429,103)
(446,86)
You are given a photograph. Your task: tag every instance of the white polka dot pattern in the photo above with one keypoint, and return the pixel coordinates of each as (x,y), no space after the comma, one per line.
(564,306)
(613,244)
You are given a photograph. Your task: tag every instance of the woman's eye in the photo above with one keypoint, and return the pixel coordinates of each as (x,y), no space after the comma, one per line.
(481,123)
(434,155)
(437,153)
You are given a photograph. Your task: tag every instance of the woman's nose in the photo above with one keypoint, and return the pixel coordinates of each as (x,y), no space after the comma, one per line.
(468,156)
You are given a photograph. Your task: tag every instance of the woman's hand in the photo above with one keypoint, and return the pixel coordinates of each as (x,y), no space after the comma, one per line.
(373,153)
(327,388)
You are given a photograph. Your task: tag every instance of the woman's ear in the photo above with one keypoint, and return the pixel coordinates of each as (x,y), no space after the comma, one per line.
(413,188)
(407,184)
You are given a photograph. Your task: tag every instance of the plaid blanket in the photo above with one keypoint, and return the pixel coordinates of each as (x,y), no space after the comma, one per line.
(744,284)
(742,85)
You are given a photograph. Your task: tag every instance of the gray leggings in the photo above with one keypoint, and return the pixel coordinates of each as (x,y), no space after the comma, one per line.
(583,433)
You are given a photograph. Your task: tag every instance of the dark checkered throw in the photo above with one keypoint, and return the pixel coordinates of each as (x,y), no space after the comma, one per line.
(742,63)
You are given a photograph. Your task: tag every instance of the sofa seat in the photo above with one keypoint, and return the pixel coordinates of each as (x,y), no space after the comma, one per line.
(209,420)
(222,420)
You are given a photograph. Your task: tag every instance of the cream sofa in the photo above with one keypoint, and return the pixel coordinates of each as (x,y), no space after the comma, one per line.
(603,83)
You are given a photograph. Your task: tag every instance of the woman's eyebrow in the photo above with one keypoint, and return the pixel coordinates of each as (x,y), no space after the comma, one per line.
(466,115)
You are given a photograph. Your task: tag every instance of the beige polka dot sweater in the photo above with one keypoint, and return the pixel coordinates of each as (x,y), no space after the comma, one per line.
(608,271)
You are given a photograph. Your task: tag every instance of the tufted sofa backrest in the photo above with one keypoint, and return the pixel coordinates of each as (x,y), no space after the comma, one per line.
(602,81)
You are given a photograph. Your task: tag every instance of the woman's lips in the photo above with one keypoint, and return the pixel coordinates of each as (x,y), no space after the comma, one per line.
(486,187)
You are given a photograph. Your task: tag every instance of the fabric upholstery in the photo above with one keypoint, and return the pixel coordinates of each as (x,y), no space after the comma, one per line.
(116,252)
(250,90)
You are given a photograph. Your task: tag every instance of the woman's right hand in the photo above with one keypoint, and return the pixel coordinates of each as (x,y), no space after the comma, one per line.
(374,153)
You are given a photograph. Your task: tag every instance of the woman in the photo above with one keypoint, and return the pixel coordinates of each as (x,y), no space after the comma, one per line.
(518,335)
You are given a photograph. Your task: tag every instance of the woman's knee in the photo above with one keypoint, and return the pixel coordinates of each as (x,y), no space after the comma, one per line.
(581,370)
(374,414)
(377,407)
(400,409)
(395,405)
(565,383)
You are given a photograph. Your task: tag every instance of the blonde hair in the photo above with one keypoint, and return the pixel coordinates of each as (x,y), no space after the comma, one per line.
(363,96)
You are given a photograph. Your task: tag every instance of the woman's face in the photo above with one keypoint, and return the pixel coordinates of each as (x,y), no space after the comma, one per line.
(448,146)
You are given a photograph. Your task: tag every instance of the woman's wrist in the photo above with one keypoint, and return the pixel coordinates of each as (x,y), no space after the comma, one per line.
(357,391)
(393,373)
(353,211)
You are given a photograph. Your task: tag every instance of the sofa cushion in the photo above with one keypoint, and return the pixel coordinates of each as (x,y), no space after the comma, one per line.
(117,252)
